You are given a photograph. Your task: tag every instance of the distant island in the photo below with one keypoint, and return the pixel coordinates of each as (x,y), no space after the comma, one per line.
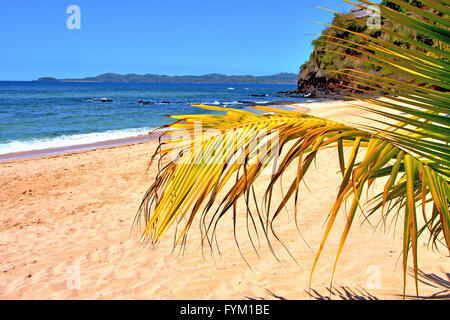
(207,78)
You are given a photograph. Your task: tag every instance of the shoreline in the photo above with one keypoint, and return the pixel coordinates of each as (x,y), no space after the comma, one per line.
(79,147)
(11,156)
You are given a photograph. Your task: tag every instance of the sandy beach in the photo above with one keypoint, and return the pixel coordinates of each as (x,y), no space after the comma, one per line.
(65,233)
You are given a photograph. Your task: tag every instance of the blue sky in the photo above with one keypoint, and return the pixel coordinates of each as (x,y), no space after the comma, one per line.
(173,37)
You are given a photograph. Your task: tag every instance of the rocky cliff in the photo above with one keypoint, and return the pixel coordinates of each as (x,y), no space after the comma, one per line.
(317,77)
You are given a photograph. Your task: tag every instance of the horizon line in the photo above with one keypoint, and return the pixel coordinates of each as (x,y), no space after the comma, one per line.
(151,74)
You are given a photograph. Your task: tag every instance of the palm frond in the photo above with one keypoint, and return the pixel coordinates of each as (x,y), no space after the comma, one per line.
(407,147)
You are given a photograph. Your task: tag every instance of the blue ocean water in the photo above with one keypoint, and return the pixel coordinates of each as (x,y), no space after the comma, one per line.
(37,115)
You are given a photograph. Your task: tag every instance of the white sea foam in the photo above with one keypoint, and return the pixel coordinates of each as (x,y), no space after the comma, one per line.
(70,140)
(262,101)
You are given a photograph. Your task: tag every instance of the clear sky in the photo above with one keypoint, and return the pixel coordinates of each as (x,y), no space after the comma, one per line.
(174,37)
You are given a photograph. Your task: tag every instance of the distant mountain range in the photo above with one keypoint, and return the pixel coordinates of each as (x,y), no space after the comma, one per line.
(207,78)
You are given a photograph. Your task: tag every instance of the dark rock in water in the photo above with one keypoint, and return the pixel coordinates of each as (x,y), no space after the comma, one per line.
(105,100)
(165,102)
(247,102)
(280,103)
(259,95)
(143,102)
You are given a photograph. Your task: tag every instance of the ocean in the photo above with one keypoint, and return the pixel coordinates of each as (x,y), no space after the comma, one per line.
(41,115)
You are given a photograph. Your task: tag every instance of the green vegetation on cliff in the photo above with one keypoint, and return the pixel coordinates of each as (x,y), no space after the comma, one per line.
(317,76)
